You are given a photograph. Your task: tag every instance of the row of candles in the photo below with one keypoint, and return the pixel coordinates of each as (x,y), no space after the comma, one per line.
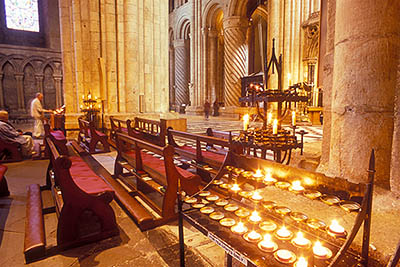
(246,122)
(89,102)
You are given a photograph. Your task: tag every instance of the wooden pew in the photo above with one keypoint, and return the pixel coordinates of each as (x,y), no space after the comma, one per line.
(58,139)
(207,150)
(150,130)
(118,126)
(3,182)
(90,137)
(149,175)
(82,203)
(11,151)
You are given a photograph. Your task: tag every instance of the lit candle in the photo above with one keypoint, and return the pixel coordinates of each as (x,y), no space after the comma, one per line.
(99,106)
(283,232)
(289,78)
(235,188)
(245,122)
(256,196)
(89,96)
(301,262)
(268,178)
(267,243)
(258,175)
(269,120)
(81,107)
(284,254)
(275,127)
(320,250)
(294,118)
(336,228)
(239,228)
(296,186)
(95,98)
(253,235)
(255,217)
(300,240)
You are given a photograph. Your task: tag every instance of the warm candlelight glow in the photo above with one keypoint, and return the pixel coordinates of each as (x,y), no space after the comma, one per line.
(256,196)
(336,227)
(268,178)
(296,186)
(81,106)
(302,262)
(284,254)
(83,96)
(239,228)
(258,174)
(269,119)
(95,98)
(255,217)
(89,96)
(253,235)
(320,250)
(294,118)
(235,188)
(283,232)
(300,240)
(289,78)
(275,127)
(246,119)
(267,242)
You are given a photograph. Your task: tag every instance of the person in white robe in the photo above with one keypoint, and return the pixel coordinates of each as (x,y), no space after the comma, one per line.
(37,112)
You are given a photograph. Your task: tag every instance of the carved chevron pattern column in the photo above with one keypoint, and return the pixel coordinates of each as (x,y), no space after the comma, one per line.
(182,72)
(235,57)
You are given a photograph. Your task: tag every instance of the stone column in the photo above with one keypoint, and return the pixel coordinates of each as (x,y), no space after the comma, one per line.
(39,83)
(182,74)
(19,77)
(235,57)
(212,65)
(1,91)
(364,84)
(57,83)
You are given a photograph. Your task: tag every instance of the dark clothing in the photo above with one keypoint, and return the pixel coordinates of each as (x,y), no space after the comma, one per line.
(216,108)
(9,134)
(207,107)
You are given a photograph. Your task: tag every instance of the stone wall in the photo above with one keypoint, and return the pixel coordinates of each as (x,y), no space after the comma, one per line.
(117,51)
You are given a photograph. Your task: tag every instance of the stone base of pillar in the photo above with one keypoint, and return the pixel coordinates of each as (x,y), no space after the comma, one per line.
(195,111)
(236,112)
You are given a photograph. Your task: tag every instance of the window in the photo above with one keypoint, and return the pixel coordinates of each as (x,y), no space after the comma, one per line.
(22,15)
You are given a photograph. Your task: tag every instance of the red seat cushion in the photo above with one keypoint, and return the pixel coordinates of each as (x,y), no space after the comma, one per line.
(98,133)
(58,135)
(214,156)
(86,179)
(3,170)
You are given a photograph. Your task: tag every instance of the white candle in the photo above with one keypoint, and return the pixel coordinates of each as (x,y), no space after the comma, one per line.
(239,228)
(275,127)
(245,122)
(269,121)
(294,118)
(336,227)
(267,242)
(268,178)
(256,196)
(300,240)
(301,262)
(289,78)
(89,96)
(255,217)
(253,235)
(320,250)
(296,186)
(235,188)
(83,96)
(283,232)
(258,174)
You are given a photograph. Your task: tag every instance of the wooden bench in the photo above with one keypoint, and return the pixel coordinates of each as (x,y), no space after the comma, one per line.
(82,203)
(394,260)
(204,150)
(149,130)
(90,137)
(3,182)
(118,126)
(153,181)
(10,152)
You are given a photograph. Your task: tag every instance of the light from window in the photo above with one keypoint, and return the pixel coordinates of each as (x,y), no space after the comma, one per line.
(22,15)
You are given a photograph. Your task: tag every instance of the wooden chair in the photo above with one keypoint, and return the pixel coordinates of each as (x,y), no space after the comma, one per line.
(90,137)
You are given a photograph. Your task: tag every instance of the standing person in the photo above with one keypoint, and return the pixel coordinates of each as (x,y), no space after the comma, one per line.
(216,108)
(207,107)
(37,112)
(9,134)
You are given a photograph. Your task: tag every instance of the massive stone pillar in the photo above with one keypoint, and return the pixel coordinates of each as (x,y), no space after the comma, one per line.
(395,171)
(182,72)
(235,57)
(57,83)
(364,84)
(212,66)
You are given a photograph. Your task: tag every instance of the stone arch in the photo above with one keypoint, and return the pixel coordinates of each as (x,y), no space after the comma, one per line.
(210,12)
(258,18)
(49,89)
(30,60)
(9,59)
(183,29)
(52,63)
(29,83)
(241,8)
(9,86)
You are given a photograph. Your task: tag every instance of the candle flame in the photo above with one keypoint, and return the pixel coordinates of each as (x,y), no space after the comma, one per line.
(258,173)
(256,195)
(296,185)
(235,187)
(267,238)
(301,262)
(336,227)
(246,117)
(255,217)
(319,250)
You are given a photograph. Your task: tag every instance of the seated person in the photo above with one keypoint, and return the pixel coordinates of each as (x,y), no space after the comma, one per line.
(9,134)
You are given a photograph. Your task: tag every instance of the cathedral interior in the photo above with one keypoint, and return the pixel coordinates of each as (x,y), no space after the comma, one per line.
(148,108)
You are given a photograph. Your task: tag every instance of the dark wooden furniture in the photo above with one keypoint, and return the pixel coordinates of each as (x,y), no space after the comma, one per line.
(207,150)
(118,126)
(10,152)
(150,130)
(236,246)
(82,203)
(3,182)
(90,137)
(149,175)
(394,260)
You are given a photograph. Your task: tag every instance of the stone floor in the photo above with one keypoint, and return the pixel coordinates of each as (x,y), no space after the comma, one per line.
(159,247)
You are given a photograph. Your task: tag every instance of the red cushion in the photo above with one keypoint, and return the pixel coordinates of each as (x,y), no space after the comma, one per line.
(98,133)
(189,149)
(86,179)
(214,156)
(3,170)
(58,135)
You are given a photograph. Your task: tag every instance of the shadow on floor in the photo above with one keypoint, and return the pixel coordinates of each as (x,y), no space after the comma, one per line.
(5,205)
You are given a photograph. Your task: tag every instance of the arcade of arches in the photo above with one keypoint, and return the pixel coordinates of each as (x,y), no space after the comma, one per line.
(133,59)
